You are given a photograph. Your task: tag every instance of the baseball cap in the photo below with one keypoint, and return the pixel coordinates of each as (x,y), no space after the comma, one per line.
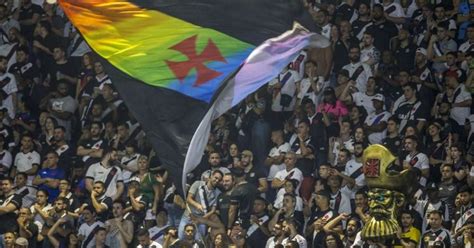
(21,241)
(378,97)
(135,179)
(422,51)
(247,153)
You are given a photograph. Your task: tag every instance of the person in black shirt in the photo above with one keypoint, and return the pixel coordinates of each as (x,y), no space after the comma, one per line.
(258,233)
(321,215)
(360,25)
(241,200)
(392,141)
(91,150)
(341,45)
(29,15)
(253,174)
(382,29)
(223,201)
(9,203)
(62,68)
(405,50)
(99,201)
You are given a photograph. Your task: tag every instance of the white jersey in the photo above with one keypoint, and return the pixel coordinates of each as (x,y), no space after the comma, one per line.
(420,161)
(288,81)
(88,232)
(25,161)
(353,169)
(9,88)
(111,176)
(364,100)
(362,76)
(277,151)
(375,119)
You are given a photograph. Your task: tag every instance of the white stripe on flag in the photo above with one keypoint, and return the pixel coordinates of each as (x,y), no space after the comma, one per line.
(262,65)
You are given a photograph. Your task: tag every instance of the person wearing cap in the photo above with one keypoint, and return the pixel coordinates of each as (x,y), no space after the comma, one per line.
(137,202)
(460,99)
(376,122)
(422,74)
(21,243)
(432,203)
(254,175)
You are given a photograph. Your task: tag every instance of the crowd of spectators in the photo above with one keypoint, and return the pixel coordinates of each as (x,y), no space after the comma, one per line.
(282,169)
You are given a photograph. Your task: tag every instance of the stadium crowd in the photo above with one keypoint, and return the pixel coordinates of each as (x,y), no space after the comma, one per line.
(283,169)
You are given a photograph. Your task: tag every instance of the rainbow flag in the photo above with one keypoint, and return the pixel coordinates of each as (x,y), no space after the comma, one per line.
(156,48)
(169,58)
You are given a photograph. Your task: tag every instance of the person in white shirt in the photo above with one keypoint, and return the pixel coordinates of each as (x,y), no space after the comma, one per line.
(27,160)
(108,172)
(9,87)
(394,11)
(415,158)
(369,54)
(290,172)
(459,98)
(376,123)
(89,228)
(321,18)
(276,155)
(6,157)
(358,72)
(289,228)
(145,241)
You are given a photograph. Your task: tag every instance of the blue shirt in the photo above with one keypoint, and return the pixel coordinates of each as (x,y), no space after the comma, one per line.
(57,173)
